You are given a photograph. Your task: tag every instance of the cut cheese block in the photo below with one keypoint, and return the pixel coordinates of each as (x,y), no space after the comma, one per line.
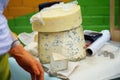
(58,62)
(58,57)
(59,17)
(70,43)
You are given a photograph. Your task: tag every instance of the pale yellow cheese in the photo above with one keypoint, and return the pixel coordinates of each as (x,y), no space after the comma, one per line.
(36,38)
(70,43)
(58,56)
(58,19)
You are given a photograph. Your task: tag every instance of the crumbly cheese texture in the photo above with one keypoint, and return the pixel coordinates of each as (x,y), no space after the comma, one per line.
(70,43)
(58,62)
(57,19)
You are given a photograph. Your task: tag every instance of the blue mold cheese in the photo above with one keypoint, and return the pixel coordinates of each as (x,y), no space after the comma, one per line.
(58,62)
(59,29)
(70,43)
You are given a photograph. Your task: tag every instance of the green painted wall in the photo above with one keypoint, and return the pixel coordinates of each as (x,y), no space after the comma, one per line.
(95,15)
(95,12)
(21,24)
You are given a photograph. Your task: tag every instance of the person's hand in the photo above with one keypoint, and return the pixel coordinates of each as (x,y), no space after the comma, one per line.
(27,62)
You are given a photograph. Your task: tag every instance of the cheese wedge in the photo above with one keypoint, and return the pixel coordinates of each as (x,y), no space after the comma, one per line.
(58,62)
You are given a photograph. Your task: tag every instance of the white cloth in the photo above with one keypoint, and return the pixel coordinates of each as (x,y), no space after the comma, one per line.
(5,34)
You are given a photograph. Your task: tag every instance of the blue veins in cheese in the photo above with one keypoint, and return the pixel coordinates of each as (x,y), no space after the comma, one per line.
(71,43)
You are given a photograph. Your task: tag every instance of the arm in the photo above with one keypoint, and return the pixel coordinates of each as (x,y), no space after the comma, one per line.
(26,60)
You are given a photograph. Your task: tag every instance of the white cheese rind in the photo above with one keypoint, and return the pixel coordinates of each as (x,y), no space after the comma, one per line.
(71,43)
(56,20)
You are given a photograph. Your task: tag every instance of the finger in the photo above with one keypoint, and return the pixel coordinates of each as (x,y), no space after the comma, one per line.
(36,70)
(32,76)
(41,76)
(38,77)
(40,68)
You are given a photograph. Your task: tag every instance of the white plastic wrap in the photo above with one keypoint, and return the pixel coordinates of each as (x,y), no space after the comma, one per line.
(27,38)
(39,19)
(64,6)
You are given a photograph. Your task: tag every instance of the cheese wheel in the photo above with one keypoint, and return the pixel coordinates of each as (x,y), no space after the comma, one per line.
(57,19)
(70,43)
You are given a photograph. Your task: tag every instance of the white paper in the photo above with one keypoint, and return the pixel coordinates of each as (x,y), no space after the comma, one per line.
(96,68)
(65,73)
(27,38)
(109,50)
(95,46)
(71,67)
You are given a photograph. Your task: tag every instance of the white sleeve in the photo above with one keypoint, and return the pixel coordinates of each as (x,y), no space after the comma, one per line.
(14,39)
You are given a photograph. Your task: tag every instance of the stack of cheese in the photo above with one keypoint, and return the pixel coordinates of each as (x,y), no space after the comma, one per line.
(59,28)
